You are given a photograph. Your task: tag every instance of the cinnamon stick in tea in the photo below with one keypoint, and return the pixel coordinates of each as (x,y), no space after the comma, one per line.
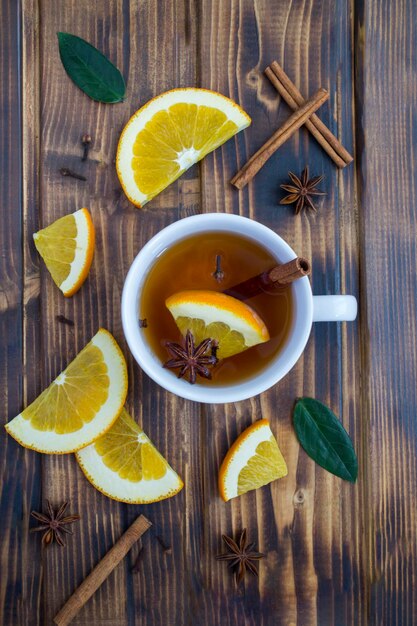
(297,119)
(289,92)
(101,571)
(279,277)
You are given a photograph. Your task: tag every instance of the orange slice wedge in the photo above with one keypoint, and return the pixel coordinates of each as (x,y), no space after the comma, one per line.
(210,314)
(125,465)
(80,404)
(253,460)
(169,134)
(67,247)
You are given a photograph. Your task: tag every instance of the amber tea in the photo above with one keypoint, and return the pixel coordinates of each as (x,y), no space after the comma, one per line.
(214,261)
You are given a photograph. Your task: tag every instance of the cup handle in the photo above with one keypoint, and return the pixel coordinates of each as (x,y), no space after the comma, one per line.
(334,308)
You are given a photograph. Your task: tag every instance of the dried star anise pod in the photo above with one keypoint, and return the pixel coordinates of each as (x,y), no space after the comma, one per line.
(53,524)
(301,190)
(240,556)
(191,359)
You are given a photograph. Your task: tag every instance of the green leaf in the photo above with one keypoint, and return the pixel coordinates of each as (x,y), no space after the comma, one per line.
(90,70)
(324,439)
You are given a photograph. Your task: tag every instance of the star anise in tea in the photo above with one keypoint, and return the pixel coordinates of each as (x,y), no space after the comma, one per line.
(241,556)
(301,191)
(53,524)
(190,359)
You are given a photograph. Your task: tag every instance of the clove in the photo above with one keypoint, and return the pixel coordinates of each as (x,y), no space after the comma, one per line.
(218,274)
(166,549)
(86,141)
(64,320)
(64,171)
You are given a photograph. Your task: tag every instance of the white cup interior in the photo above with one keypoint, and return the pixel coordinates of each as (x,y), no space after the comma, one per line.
(136,338)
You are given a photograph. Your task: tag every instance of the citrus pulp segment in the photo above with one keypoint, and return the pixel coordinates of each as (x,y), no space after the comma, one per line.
(125,465)
(67,247)
(80,404)
(253,460)
(211,314)
(169,134)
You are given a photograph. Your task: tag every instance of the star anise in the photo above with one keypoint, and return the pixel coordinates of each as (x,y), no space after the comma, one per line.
(301,190)
(53,524)
(191,359)
(240,556)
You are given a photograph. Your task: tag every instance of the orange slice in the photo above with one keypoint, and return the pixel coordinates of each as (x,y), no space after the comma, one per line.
(232,323)
(253,460)
(67,247)
(169,134)
(125,465)
(80,404)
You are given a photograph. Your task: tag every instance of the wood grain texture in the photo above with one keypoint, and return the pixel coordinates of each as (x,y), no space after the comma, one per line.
(388,179)
(20,579)
(117,29)
(337,554)
(313,541)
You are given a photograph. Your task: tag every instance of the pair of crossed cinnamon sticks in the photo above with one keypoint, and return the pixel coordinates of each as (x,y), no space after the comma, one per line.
(304,113)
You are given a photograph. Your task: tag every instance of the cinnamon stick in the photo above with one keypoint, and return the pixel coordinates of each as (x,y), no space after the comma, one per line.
(278,277)
(297,119)
(318,129)
(101,571)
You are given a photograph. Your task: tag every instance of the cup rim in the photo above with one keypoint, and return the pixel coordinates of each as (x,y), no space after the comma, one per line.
(214,394)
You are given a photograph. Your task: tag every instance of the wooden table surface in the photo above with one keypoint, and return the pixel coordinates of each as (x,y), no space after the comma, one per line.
(337,553)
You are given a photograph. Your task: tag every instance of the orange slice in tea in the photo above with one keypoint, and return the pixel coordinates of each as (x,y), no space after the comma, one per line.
(80,404)
(67,247)
(169,134)
(210,314)
(254,460)
(125,465)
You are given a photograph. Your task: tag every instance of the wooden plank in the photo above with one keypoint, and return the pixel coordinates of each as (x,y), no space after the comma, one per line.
(307,522)
(132,35)
(20,561)
(386,138)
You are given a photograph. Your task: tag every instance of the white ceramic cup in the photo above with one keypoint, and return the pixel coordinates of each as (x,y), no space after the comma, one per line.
(307,309)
